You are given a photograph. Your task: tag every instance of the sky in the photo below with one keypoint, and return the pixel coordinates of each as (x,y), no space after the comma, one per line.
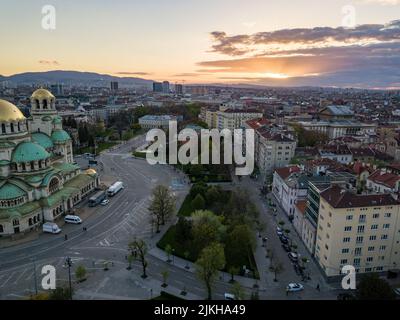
(287,42)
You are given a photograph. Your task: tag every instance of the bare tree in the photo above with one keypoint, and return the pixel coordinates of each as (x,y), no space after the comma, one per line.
(140,247)
(276,268)
(162,205)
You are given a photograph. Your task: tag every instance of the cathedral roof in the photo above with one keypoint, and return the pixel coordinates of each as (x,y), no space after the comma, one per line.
(43,139)
(9,191)
(42,94)
(29,151)
(9,112)
(60,136)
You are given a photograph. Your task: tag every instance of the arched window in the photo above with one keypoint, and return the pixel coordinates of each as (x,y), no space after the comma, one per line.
(12,127)
(3,128)
(1,228)
(30,221)
(15,222)
(19,126)
(32,165)
(23,166)
(37,103)
(54,184)
(44,104)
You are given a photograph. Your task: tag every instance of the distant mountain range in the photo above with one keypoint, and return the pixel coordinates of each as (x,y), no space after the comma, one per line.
(73,78)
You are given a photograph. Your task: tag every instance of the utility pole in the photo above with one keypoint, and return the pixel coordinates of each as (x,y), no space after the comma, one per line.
(68,263)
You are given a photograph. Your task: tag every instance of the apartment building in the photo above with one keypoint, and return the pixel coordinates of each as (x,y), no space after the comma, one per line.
(358,230)
(235,118)
(157,121)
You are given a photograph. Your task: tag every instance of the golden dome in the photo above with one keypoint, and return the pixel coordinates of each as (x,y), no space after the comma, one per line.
(91,172)
(9,112)
(42,94)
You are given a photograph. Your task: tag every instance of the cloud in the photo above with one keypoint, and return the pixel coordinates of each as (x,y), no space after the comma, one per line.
(237,45)
(49,62)
(189,74)
(382,2)
(364,56)
(128,73)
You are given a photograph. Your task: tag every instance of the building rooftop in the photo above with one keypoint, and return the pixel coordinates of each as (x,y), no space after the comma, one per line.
(341,198)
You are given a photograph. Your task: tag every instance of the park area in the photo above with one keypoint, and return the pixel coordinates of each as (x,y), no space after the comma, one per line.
(212,215)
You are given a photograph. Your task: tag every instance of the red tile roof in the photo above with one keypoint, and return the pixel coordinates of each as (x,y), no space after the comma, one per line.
(257,123)
(341,198)
(386,179)
(287,171)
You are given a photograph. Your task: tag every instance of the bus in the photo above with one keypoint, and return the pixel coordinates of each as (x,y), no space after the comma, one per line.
(115,188)
(97,198)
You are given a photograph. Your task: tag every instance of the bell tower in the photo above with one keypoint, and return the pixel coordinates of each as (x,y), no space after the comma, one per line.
(43,110)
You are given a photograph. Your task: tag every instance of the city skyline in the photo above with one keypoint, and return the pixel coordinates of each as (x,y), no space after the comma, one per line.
(294,43)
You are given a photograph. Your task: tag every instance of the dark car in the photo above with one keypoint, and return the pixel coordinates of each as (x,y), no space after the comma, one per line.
(284,240)
(297,269)
(286,247)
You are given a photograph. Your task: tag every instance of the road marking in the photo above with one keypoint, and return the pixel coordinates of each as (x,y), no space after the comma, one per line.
(5,282)
(20,276)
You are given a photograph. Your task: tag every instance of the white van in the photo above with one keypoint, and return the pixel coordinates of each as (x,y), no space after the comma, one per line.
(72,219)
(51,227)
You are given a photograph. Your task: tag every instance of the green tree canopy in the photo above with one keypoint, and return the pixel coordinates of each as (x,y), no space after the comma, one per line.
(371,287)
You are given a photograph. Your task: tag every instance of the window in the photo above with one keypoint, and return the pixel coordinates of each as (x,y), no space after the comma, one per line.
(368,269)
(346,239)
(382,248)
(360,229)
(359,239)
(347,229)
(356,261)
(1,228)
(388,215)
(3,128)
(345,250)
(349,217)
(372,238)
(374,227)
(379,268)
(375,215)
(370,259)
(384,237)
(357,251)
(343,261)
(15,222)
(362,218)
(386,226)
(371,249)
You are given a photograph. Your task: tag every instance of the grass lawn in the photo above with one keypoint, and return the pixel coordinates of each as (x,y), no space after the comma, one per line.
(139,154)
(100,147)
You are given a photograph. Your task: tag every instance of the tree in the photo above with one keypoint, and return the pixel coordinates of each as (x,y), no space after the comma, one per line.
(211,260)
(233,271)
(162,205)
(281,223)
(198,203)
(60,293)
(276,268)
(212,195)
(240,243)
(80,273)
(238,291)
(183,230)
(165,275)
(371,287)
(140,247)
(168,250)
(207,228)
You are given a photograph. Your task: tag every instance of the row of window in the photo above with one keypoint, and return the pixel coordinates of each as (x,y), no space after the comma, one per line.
(360,239)
(358,251)
(362,217)
(12,203)
(13,128)
(357,261)
(361,229)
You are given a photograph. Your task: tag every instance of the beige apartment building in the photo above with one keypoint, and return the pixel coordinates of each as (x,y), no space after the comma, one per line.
(358,230)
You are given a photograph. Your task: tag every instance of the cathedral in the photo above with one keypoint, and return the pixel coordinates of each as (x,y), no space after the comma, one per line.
(38,180)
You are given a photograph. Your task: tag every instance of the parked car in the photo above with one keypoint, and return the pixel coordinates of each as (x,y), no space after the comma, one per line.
(293,256)
(229,296)
(397,291)
(105,202)
(279,233)
(297,269)
(284,240)
(286,247)
(294,287)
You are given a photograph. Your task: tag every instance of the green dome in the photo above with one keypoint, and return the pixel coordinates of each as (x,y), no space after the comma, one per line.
(42,139)
(29,151)
(10,191)
(60,136)
(57,120)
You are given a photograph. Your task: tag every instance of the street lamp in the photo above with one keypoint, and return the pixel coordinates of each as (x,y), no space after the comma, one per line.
(68,263)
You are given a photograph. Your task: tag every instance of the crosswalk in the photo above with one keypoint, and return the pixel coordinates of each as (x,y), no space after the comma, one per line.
(135,224)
